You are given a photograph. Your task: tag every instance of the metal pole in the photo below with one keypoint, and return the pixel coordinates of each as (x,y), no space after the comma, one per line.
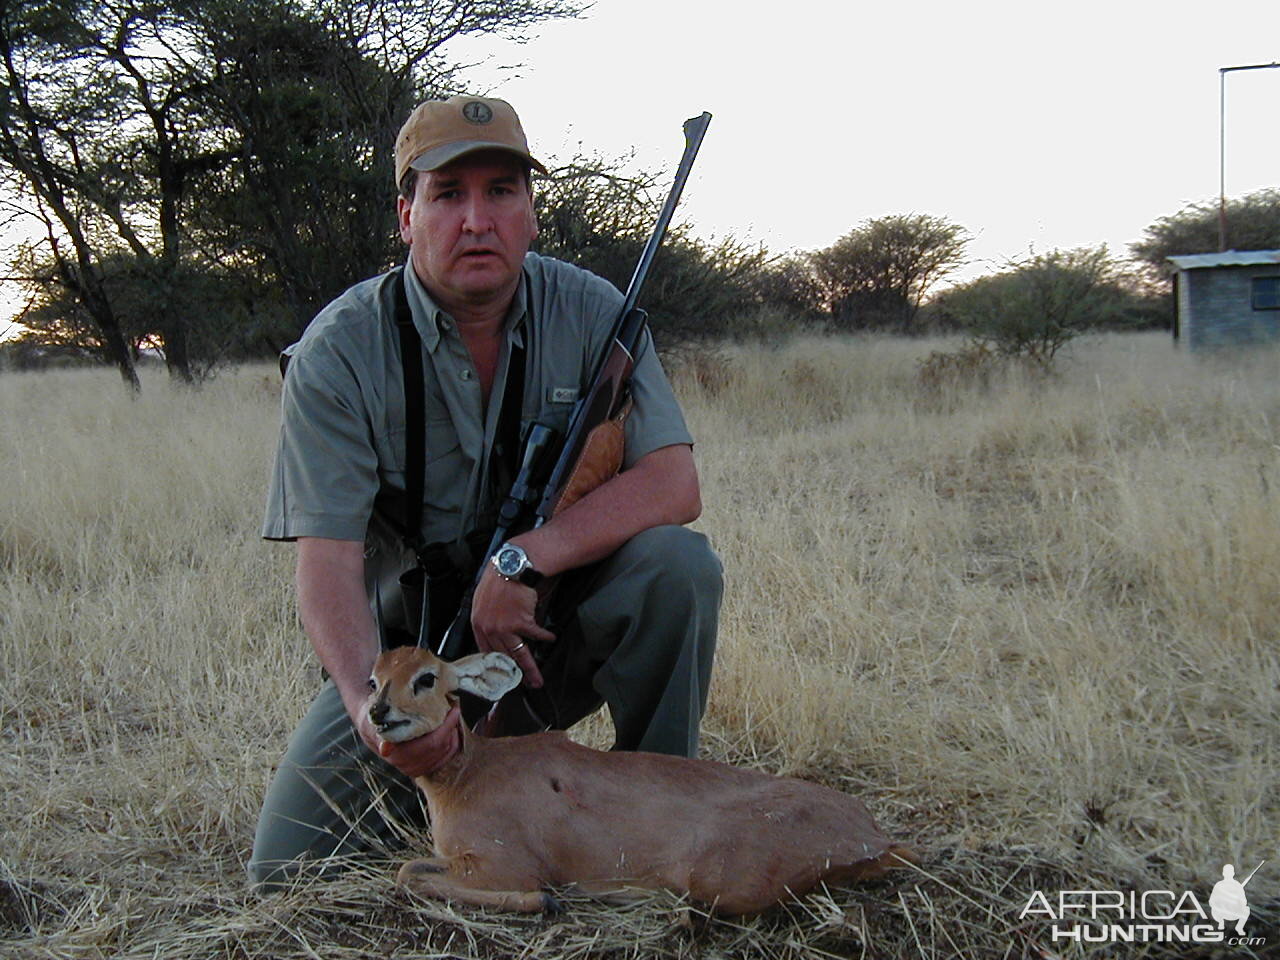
(1222,145)
(1222,160)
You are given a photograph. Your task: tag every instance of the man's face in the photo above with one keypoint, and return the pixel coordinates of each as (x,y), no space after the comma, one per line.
(468,227)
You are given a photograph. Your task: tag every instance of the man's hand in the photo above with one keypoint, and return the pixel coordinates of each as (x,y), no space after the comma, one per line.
(422,755)
(502,618)
(659,488)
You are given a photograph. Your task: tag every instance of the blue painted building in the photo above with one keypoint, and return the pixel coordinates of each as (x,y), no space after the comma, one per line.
(1226,299)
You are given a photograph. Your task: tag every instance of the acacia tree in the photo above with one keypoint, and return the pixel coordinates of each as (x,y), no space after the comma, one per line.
(247,137)
(1253,223)
(878,274)
(50,108)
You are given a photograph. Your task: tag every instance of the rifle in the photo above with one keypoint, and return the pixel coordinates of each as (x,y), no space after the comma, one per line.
(591,451)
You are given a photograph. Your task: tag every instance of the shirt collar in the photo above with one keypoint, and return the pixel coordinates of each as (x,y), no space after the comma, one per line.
(428,316)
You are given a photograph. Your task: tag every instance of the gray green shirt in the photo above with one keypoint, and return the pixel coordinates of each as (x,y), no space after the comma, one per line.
(340,463)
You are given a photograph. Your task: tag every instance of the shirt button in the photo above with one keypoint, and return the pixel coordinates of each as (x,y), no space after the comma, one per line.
(466,374)
(446,326)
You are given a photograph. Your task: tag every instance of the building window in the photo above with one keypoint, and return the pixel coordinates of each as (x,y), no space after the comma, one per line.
(1266,293)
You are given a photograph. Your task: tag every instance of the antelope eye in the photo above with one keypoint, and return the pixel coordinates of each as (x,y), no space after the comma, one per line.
(423,681)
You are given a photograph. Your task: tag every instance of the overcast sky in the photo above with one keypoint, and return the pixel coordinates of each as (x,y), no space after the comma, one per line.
(1034,125)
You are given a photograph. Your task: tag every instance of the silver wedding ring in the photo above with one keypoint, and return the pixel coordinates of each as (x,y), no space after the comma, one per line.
(519,646)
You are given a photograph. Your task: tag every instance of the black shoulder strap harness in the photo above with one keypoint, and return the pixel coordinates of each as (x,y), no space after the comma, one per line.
(507,436)
(415,416)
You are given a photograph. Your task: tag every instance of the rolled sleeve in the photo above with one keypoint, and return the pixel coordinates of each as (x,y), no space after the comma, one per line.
(655,420)
(575,314)
(325,477)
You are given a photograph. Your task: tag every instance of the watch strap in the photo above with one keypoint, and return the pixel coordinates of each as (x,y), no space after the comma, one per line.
(527,575)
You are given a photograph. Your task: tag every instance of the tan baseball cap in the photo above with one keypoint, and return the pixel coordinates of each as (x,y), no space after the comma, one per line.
(440,131)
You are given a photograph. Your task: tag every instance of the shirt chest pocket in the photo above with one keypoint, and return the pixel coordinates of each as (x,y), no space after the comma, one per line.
(447,470)
(555,407)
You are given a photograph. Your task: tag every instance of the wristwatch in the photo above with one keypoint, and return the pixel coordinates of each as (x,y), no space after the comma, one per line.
(512,563)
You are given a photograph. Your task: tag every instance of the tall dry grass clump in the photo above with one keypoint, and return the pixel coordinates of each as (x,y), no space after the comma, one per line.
(1033,621)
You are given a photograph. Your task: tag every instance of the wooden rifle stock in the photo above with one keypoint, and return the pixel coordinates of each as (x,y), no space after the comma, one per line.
(592,449)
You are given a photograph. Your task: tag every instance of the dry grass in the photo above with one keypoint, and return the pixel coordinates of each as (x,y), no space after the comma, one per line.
(1033,623)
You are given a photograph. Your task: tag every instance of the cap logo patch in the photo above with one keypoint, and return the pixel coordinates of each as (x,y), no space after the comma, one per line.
(477,112)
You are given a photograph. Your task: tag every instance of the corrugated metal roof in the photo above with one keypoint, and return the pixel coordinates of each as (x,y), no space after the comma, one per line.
(1231,258)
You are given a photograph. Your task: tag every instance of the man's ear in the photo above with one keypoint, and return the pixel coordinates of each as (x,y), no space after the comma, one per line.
(533,222)
(488,675)
(403,206)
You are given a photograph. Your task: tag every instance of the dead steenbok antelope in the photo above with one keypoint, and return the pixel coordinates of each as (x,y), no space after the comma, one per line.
(513,816)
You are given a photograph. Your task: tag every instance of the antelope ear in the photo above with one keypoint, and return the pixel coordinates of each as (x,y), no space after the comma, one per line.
(488,675)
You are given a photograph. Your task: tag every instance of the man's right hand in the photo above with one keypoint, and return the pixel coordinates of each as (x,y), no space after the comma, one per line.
(422,755)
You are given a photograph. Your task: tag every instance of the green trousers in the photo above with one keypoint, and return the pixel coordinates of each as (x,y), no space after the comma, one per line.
(642,642)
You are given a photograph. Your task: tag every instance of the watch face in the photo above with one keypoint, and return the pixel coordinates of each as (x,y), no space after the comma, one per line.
(509,561)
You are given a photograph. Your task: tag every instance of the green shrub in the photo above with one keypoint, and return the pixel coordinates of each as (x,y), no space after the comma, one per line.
(1034,308)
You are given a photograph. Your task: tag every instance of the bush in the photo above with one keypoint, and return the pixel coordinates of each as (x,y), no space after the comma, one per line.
(972,364)
(591,215)
(1034,308)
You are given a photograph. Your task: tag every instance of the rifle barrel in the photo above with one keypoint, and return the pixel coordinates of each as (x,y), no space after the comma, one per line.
(695,128)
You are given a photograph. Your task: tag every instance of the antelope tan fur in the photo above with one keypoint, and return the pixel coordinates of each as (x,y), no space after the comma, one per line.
(514,816)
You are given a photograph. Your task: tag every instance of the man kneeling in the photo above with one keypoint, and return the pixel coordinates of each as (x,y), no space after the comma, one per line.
(507,338)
